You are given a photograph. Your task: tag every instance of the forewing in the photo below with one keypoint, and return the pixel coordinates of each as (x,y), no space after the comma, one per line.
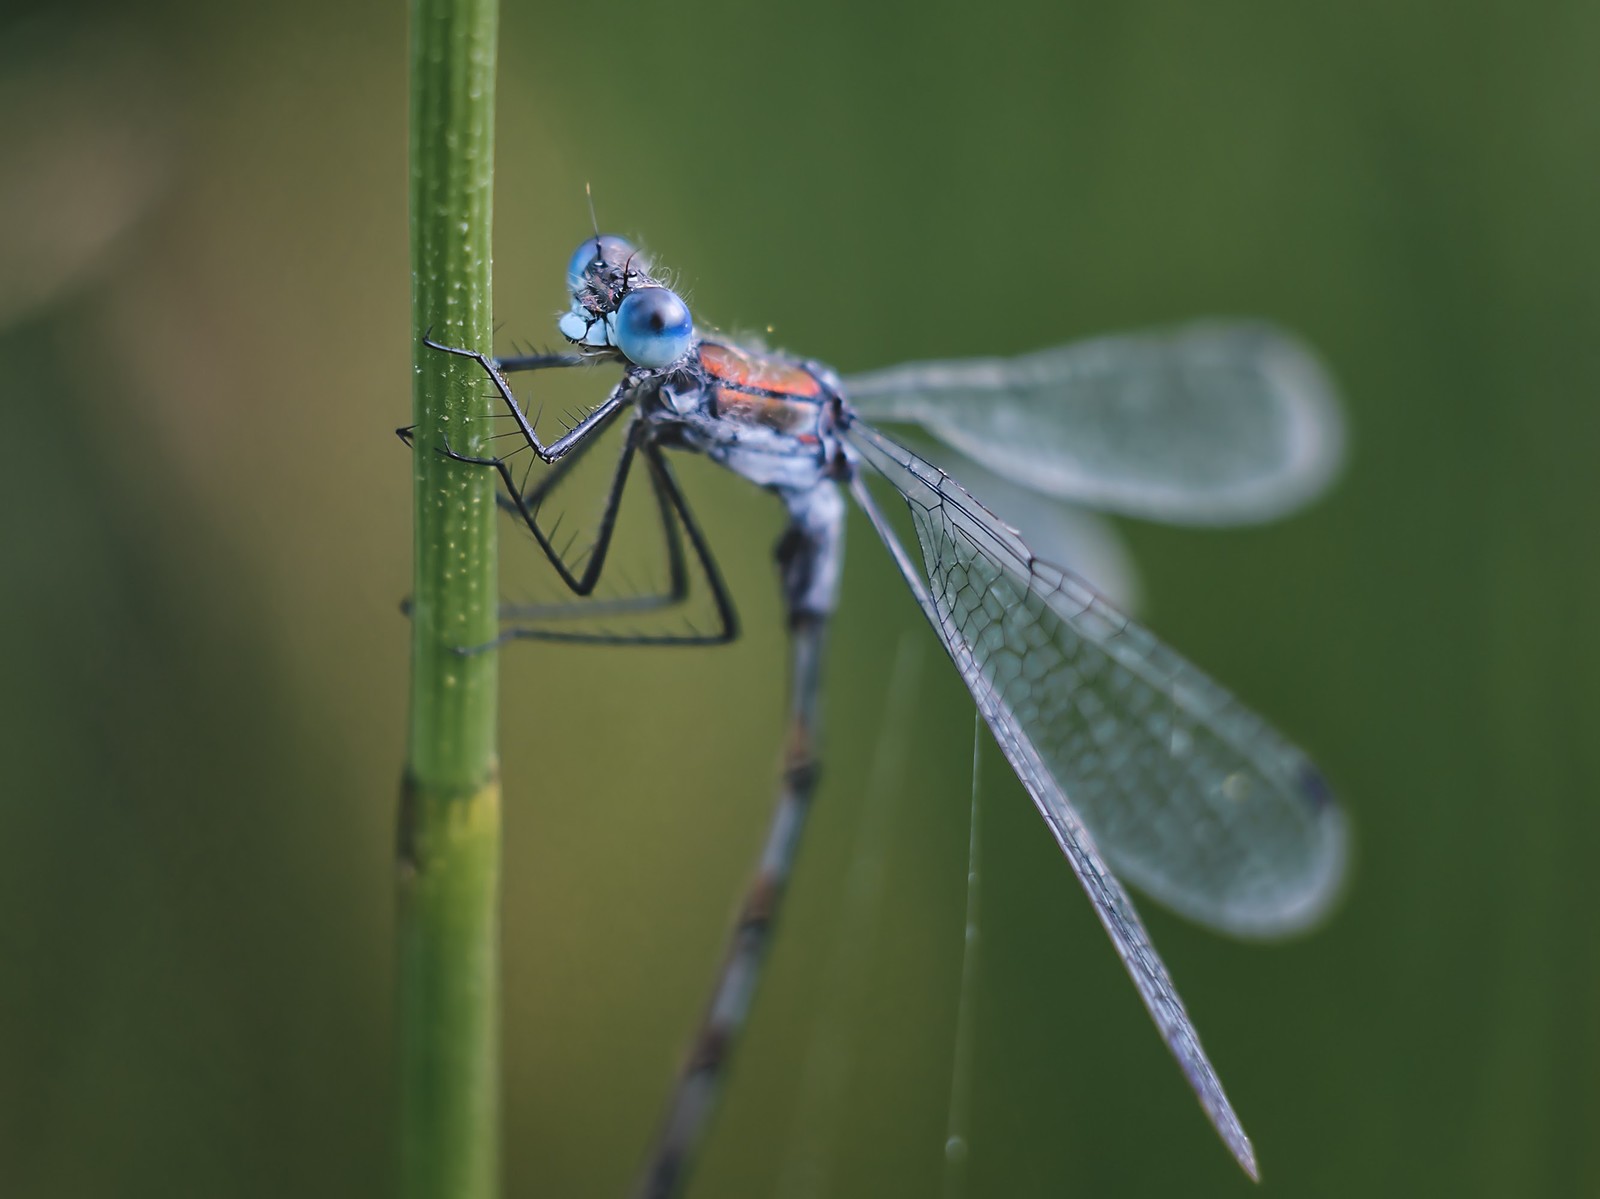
(1190,796)
(1084,542)
(1214,423)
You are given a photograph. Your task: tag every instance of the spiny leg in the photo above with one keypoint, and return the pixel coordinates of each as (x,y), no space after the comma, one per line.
(674,510)
(525,506)
(672,503)
(557,449)
(508,366)
(677,589)
(584,584)
(537,362)
(575,441)
(562,455)
(533,498)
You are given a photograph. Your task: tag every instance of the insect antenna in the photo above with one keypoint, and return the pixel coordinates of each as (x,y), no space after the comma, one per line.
(594,221)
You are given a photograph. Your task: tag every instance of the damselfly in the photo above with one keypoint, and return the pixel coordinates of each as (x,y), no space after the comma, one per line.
(1136,760)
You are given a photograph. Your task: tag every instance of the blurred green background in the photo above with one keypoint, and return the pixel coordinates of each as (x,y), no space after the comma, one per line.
(204,347)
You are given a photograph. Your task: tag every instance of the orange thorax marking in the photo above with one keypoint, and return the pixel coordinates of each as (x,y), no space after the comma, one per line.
(745,371)
(784,416)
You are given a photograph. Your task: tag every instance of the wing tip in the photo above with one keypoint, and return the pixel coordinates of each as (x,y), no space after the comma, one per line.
(1315,435)
(1226,1123)
(1292,907)
(1324,885)
(1247,1161)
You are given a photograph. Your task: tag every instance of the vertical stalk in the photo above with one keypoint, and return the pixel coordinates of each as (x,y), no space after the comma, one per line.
(449,834)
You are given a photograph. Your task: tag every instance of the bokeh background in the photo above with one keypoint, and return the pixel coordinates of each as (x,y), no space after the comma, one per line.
(204,347)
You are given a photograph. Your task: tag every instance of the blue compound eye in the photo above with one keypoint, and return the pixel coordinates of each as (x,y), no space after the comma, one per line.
(652,327)
(615,252)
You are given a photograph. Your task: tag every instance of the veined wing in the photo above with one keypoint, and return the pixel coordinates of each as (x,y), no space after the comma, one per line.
(1213,423)
(1083,542)
(1191,796)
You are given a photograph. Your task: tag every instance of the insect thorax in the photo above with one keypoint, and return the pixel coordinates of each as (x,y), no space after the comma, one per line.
(767,418)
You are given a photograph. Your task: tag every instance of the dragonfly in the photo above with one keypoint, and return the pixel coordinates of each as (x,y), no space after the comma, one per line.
(1142,767)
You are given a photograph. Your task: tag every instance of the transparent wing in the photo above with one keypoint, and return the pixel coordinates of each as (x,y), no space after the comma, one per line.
(1084,542)
(1191,797)
(1214,423)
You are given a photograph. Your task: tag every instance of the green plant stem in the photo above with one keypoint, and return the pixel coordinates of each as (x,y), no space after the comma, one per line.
(449,836)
